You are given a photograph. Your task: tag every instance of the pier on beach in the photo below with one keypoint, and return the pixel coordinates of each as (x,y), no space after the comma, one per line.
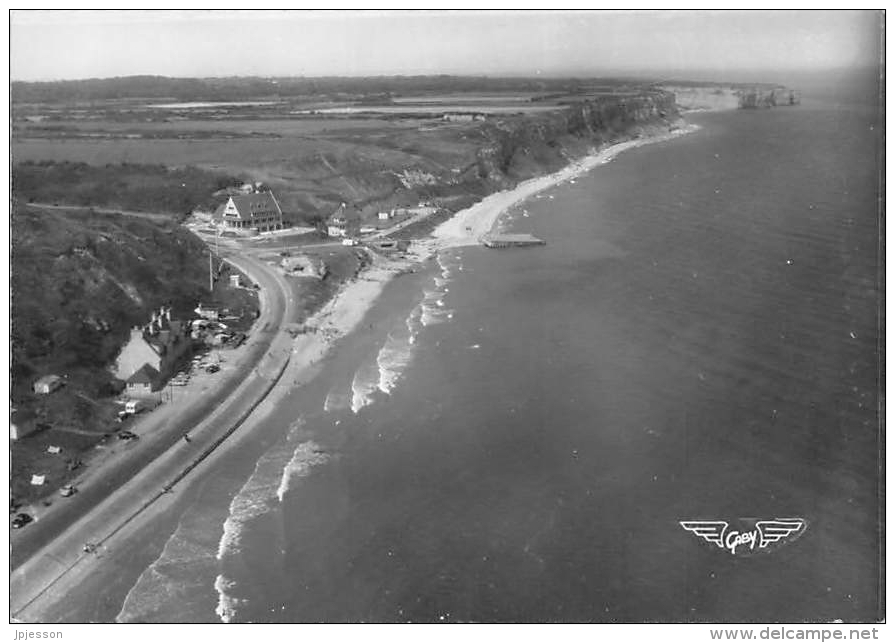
(510,240)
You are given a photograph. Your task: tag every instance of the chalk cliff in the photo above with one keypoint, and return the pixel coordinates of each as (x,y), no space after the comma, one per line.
(718,97)
(527,146)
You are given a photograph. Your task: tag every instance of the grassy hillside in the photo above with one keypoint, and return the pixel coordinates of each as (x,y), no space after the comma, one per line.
(80,280)
(138,187)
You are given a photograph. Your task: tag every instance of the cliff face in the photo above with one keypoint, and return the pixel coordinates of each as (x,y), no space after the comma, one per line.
(528,146)
(453,165)
(726,97)
(767,97)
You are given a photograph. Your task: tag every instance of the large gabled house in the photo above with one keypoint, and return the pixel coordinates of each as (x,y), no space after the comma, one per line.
(160,345)
(258,211)
(338,224)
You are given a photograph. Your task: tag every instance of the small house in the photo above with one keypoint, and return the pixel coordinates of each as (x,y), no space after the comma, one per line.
(385,216)
(337,227)
(19,431)
(207,312)
(143,382)
(47,384)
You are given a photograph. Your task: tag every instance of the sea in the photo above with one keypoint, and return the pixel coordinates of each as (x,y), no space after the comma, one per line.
(515,435)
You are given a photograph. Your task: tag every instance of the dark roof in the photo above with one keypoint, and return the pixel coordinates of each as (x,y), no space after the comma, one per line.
(251,205)
(146,374)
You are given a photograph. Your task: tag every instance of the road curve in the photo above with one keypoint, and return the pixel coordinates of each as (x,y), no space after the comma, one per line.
(120,501)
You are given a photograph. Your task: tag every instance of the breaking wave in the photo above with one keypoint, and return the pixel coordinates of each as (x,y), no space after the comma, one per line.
(306,456)
(274,475)
(256,495)
(227,603)
(336,401)
(393,358)
(363,386)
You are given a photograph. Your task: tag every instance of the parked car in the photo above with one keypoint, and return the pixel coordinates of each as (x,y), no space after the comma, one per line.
(138,406)
(127,435)
(68,490)
(238,340)
(21,520)
(212,368)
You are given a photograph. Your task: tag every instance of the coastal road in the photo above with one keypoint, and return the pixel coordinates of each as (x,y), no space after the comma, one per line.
(44,553)
(400,226)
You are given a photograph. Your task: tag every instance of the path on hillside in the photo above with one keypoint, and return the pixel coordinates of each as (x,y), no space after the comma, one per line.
(155,216)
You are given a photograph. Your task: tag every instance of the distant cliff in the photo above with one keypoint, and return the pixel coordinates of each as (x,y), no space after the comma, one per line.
(454,165)
(522,147)
(717,97)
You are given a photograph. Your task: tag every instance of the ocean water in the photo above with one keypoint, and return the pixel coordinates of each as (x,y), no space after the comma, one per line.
(514,435)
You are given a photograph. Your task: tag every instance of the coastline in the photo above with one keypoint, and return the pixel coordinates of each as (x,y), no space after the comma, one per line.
(340,316)
(467,226)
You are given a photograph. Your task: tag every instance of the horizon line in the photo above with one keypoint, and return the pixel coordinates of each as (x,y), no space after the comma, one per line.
(571,75)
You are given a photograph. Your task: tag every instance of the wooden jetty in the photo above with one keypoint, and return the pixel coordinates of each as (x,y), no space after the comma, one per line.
(511,240)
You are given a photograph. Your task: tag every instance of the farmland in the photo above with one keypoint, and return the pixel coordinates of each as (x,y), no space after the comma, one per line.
(312,164)
(372,143)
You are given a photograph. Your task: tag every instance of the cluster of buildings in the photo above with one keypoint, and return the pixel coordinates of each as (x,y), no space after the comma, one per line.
(147,360)
(339,224)
(152,353)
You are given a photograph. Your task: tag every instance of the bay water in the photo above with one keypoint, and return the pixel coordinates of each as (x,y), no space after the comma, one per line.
(514,435)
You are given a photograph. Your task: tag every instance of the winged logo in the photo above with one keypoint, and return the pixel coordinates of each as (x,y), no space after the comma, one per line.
(712,531)
(773,531)
(763,534)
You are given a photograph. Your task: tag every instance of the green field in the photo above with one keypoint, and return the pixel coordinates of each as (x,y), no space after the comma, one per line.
(312,164)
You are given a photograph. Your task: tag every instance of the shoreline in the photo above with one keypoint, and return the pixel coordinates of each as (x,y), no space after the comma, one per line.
(467,226)
(338,318)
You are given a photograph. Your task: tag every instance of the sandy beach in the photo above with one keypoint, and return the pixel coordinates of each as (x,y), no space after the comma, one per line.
(339,317)
(469,225)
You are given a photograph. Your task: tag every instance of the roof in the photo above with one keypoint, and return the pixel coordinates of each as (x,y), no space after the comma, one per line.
(251,205)
(146,374)
(339,217)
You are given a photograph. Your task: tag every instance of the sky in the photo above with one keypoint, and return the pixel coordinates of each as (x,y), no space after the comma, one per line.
(58,44)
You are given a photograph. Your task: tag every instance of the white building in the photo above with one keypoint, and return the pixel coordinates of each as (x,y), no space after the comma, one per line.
(47,384)
(258,211)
